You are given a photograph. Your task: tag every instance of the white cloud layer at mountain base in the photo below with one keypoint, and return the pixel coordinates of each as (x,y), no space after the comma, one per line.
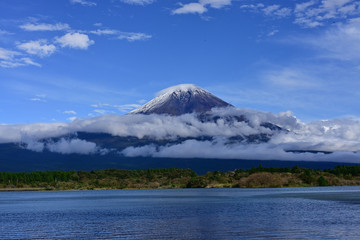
(340,136)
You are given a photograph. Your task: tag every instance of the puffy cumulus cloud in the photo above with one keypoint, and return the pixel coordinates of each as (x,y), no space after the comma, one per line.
(224,129)
(75,40)
(45,27)
(39,48)
(138,2)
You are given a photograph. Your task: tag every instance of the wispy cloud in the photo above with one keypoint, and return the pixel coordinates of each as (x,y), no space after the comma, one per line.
(4,32)
(190,8)
(291,78)
(340,41)
(39,98)
(7,54)
(40,48)
(276,10)
(201,6)
(129,36)
(138,2)
(12,59)
(104,108)
(84,2)
(310,14)
(75,40)
(71,112)
(45,27)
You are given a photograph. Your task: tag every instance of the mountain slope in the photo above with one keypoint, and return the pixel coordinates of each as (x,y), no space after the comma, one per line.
(182,99)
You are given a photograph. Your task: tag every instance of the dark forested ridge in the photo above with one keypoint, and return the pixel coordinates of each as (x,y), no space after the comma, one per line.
(179,178)
(13,158)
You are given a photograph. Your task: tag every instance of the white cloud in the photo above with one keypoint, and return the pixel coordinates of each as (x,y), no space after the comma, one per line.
(190,8)
(340,136)
(220,150)
(104,32)
(72,118)
(272,33)
(276,10)
(12,59)
(39,98)
(71,112)
(130,36)
(27,61)
(101,111)
(138,2)
(45,27)
(300,7)
(4,32)
(75,40)
(252,6)
(133,36)
(340,41)
(127,107)
(78,146)
(36,99)
(215,3)
(310,14)
(104,108)
(7,54)
(84,2)
(291,78)
(34,146)
(39,48)
(201,6)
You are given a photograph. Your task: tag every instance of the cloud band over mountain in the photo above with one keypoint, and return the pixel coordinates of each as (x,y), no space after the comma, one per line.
(339,136)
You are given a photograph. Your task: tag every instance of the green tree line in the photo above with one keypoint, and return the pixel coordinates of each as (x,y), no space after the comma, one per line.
(181,178)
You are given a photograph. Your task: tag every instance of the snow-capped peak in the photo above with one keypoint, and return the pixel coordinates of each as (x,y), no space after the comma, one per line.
(181,88)
(181,99)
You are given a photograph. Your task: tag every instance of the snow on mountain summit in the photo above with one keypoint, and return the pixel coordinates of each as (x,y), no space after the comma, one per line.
(181,88)
(181,99)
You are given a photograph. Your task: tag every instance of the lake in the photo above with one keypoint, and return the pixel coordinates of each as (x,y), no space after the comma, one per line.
(286,213)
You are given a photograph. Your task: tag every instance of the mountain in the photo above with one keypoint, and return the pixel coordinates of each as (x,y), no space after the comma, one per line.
(181,127)
(182,99)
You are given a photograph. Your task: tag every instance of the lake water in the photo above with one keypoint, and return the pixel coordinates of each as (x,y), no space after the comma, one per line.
(288,213)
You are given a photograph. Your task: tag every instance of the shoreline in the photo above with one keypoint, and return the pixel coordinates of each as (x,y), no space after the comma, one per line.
(173,178)
(102,189)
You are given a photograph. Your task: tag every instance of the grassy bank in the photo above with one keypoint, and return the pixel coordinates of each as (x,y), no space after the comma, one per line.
(259,177)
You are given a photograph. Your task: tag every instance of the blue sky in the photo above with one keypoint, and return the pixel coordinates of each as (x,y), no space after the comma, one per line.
(67,59)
